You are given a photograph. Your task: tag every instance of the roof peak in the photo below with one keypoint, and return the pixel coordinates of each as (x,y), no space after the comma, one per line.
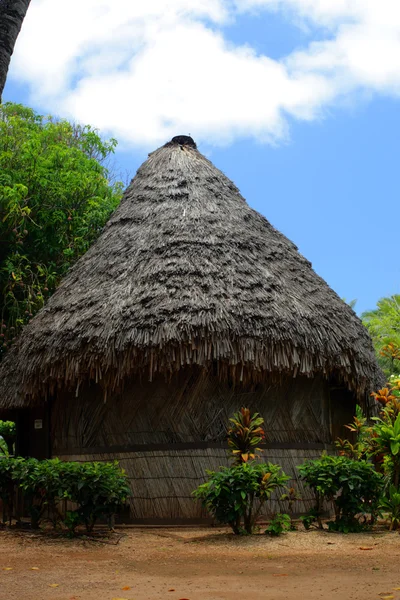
(182,140)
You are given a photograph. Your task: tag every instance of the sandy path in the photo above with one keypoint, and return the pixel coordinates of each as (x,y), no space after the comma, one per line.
(201,564)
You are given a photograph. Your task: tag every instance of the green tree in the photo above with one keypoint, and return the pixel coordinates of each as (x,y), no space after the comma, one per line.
(55,197)
(383,324)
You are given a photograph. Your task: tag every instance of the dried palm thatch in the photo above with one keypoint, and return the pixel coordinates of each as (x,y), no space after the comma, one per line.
(186,273)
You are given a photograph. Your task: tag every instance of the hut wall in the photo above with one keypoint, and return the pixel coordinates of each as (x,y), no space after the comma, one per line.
(166,434)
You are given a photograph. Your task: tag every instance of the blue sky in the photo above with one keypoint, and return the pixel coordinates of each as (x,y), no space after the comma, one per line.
(297,101)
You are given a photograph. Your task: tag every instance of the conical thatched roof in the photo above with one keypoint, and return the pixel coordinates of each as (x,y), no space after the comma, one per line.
(184,273)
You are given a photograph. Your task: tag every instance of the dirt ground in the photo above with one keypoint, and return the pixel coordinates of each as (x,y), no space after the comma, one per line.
(200,564)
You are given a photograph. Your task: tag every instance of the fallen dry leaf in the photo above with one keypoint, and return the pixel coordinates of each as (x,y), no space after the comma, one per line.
(171,590)
(365,548)
(7,568)
(54,585)
(387,597)
(34,568)
(396,588)
(126,588)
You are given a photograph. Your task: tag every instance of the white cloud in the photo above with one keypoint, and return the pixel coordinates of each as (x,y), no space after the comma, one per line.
(145,70)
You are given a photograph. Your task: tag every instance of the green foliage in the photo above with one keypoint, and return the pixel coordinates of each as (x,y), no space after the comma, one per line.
(388,435)
(55,197)
(7,467)
(245,434)
(230,494)
(353,488)
(72,520)
(291,496)
(386,443)
(7,437)
(345,525)
(383,324)
(380,441)
(278,525)
(43,485)
(310,518)
(7,429)
(3,448)
(362,432)
(97,489)
(390,504)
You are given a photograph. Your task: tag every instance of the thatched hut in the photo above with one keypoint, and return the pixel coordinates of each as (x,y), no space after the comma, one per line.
(189,306)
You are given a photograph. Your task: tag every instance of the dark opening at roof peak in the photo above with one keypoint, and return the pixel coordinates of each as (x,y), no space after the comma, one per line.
(182,140)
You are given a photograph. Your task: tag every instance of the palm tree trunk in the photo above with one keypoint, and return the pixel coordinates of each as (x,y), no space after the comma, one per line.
(12,14)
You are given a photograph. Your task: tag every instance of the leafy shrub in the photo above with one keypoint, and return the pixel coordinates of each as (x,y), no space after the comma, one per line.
(379,440)
(98,489)
(390,504)
(7,429)
(310,518)
(386,442)
(361,429)
(44,485)
(230,494)
(279,524)
(352,486)
(7,437)
(7,478)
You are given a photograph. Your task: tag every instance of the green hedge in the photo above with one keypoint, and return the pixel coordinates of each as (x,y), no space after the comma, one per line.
(97,489)
(352,487)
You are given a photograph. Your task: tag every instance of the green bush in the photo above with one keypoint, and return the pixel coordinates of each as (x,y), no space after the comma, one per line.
(390,504)
(279,524)
(7,437)
(353,487)
(43,485)
(7,429)
(231,493)
(386,442)
(98,489)
(7,468)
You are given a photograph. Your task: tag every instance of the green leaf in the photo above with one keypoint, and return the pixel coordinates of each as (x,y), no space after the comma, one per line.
(394,447)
